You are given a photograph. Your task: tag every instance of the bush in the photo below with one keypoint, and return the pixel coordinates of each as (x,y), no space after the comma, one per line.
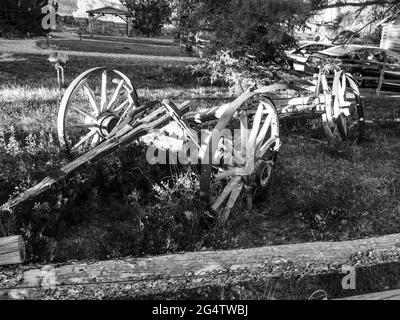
(9,32)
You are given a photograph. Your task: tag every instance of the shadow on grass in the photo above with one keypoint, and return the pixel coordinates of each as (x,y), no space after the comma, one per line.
(116,47)
(35,71)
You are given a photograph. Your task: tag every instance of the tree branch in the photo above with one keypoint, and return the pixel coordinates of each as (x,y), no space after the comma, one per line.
(340,4)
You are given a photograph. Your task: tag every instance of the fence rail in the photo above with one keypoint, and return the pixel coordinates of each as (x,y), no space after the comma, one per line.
(380,83)
(173,273)
(383,295)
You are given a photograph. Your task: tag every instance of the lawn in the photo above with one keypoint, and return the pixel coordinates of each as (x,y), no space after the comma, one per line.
(144,41)
(119,207)
(118,47)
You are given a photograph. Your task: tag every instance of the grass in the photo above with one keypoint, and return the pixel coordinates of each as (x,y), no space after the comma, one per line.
(122,47)
(143,41)
(121,206)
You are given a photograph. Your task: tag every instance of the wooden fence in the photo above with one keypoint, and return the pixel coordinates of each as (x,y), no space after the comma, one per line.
(12,250)
(383,295)
(383,67)
(133,277)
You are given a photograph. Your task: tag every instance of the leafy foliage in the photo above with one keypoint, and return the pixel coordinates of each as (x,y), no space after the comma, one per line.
(363,13)
(21,17)
(243,35)
(149,16)
(260,28)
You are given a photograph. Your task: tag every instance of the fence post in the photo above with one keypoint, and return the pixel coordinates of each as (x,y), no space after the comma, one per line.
(12,250)
(378,89)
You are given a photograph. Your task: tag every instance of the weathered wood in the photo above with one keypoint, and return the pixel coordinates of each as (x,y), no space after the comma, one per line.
(226,114)
(127,134)
(312,100)
(383,295)
(144,276)
(12,250)
(381,79)
(281,104)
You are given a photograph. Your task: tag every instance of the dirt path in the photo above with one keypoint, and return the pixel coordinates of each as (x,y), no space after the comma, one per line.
(30,47)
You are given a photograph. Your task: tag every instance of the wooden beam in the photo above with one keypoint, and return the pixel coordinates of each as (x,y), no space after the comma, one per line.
(132,277)
(122,18)
(12,250)
(383,295)
(123,135)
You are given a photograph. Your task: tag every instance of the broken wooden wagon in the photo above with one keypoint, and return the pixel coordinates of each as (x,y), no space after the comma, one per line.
(239,141)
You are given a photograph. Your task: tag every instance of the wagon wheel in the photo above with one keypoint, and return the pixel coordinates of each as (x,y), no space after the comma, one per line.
(243,148)
(344,117)
(92,106)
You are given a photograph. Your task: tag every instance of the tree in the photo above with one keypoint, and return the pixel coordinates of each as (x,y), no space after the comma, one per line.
(22,16)
(185,15)
(247,33)
(265,28)
(326,4)
(366,15)
(260,28)
(149,16)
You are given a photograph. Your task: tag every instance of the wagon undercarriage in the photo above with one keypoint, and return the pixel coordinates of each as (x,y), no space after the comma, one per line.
(236,144)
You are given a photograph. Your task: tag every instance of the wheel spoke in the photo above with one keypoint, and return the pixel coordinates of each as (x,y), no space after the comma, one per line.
(84,139)
(80,85)
(230,187)
(121,106)
(84,113)
(83,126)
(121,119)
(103,102)
(244,133)
(342,95)
(115,95)
(89,92)
(236,190)
(233,159)
(254,132)
(266,146)
(232,172)
(264,130)
(224,151)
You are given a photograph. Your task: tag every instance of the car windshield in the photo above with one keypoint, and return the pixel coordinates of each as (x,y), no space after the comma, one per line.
(341,50)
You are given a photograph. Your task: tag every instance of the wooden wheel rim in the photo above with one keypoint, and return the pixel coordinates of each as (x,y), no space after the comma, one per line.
(103,116)
(238,179)
(339,117)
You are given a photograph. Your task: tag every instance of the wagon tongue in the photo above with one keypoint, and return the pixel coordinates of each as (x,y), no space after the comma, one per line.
(126,132)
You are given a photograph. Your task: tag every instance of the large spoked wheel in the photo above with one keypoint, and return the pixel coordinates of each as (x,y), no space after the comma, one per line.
(92,106)
(243,148)
(344,117)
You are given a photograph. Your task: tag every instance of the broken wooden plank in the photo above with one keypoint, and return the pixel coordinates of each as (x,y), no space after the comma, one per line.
(12,250)
(383,295)
(132,277)
(312,100)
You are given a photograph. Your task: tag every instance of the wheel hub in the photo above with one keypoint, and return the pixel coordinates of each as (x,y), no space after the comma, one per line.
(104,124)
(107,124)
(262,173)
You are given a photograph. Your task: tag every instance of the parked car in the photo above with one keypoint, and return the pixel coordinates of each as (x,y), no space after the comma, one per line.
(298,57)
(362,61)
